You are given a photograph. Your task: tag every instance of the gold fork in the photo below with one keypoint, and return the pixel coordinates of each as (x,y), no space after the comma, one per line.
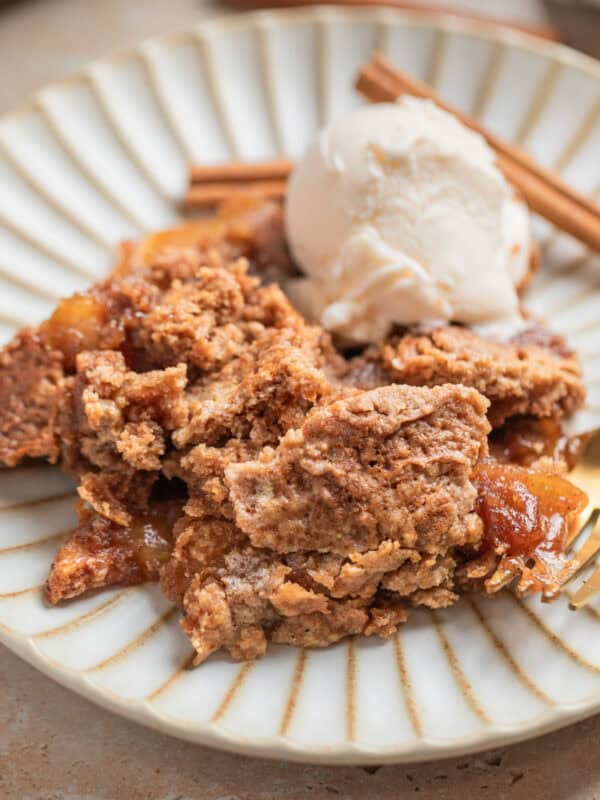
(587,477)
(581,559)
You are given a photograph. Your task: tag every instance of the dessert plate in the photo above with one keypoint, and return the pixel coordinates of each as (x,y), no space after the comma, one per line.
(102,157)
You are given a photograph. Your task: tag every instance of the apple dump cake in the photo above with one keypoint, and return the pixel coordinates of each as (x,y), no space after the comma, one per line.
(301,477)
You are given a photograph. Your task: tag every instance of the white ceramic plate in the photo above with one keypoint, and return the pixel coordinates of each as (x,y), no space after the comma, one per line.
(103,157)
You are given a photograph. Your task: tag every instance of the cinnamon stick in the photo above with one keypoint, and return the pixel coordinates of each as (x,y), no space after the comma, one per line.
(239,171)
(209,194)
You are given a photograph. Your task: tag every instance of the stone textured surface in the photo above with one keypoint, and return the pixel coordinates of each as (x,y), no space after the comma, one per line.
(57,746)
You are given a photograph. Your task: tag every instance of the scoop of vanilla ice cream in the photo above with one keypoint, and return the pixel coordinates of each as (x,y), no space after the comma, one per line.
(398,214)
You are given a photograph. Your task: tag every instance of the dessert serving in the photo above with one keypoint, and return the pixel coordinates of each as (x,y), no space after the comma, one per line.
(306,417)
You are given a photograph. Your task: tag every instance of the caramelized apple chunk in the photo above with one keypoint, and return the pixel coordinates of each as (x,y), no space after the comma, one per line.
(75,326)
(523,510)
(101,553)
(527,518)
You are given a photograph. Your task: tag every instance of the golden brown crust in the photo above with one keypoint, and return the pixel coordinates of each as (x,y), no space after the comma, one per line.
(353,517)
(30,397)
(524,376)
(393,463)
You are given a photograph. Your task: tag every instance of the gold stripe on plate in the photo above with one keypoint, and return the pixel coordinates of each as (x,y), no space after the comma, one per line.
(456,669)
(572,263)
(29,285)
(350,691)
(545,278)
(170,41)
(546,242)
(489,80)
(540,99)
(436,59)
(27,471)
(151,72)
(505,653)
(567,303)
(209,70)
(579,136)
(84,618)
(184,667)
(232,691)
(556,233)
(21,548)
(552,637)
(382,38)
(407,691)
(51,200)
(53,255)
(13,322)
(290,706)
(39,587)
(112,198)
(267,71)
(39,502)
(575,330)
(134,644)
(323,69)
(129,147)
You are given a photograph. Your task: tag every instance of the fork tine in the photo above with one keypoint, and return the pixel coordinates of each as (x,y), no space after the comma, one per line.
(587,552)
(589,523)
(585,593)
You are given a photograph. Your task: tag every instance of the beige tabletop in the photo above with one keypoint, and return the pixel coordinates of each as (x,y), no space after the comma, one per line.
(57,746)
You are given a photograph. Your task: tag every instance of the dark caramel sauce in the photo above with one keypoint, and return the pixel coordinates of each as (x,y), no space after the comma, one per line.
(523,440)
(151,535)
